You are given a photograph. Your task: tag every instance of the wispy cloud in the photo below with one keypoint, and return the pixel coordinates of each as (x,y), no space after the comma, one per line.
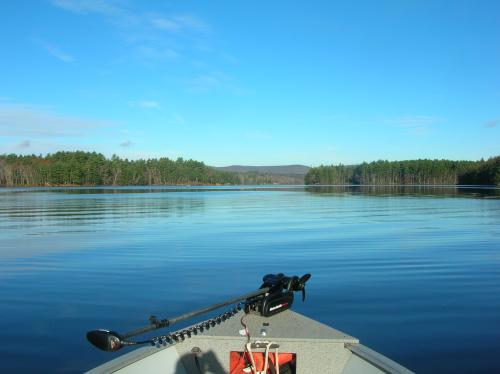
(86,6)
(491,124)
(127,144)
(206,82)
(55,51)
(177,23)
(119,15)
(24,144)
(416,124)
(158,37)
(27,120)
(116,13)
(164,24)
(149,104)
(177,119)
(157,53)
(211,81)
(410,121)
(152,35)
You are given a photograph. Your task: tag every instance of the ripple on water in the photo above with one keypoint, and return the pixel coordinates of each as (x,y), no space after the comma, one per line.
(412,273)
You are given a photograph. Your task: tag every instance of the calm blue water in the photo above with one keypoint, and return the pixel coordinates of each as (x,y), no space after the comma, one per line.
(413,273)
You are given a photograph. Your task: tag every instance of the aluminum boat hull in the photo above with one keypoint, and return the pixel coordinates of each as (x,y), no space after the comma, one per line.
(318,348)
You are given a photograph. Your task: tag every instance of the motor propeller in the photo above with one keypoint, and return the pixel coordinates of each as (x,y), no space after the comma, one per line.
(277,282)
(299,284)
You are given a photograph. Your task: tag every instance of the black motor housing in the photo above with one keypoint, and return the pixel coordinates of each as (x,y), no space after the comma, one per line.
(276,303)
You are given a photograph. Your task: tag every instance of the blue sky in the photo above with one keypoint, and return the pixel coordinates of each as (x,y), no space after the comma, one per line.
(256,83)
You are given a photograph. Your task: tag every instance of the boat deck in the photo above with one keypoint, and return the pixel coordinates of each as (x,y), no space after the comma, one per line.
(318,348)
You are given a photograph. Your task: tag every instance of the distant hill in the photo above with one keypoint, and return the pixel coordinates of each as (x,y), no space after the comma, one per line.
(295,170)
(282,174)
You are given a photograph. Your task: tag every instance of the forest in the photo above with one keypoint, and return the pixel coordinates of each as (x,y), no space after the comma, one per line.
(94,169)
(411,172)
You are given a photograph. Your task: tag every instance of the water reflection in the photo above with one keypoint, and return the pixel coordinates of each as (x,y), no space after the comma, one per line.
(414,191)
(24,211)
(402,268)
(373,190)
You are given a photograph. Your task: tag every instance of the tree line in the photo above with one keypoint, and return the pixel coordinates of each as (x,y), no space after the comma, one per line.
(411,172)
(94,169)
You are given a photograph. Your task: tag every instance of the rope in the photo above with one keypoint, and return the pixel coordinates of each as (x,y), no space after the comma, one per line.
(248,349)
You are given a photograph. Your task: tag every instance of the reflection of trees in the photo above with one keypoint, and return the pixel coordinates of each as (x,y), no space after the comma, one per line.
(451,191)
(70,210)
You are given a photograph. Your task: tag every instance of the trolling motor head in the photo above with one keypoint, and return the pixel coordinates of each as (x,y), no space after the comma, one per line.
(106,340)
(281,293)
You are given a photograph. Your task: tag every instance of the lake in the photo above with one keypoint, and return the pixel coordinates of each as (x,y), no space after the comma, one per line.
(413,272)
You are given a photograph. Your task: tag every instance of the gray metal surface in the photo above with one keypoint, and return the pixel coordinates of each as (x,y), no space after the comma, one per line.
(286,325)
(356,365)
(318,348)
(377,360)
(144,360)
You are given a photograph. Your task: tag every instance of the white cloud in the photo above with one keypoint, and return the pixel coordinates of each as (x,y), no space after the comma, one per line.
(55,51)
(27,120)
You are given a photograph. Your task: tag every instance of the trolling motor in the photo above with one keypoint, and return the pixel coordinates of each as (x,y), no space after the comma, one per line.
(275,295)
(279,296)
